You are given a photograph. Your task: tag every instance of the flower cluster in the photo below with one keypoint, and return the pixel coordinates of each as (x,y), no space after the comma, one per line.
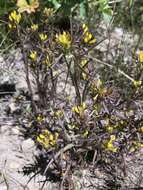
(135,146)
(14,19)
(64,39)
(79,109)
(40,118)
(34,27)
(88,38)
(48,12)
(58,114)
(47,138)
(110,146)
(43,37)
(137,83)
(33,55)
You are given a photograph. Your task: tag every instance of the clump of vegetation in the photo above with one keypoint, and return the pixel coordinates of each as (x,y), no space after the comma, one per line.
(86,112)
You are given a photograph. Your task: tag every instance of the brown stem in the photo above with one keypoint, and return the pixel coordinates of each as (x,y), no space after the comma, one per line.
(25,59)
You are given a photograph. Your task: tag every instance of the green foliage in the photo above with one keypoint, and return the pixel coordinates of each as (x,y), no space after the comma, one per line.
(6,6)
(68,6)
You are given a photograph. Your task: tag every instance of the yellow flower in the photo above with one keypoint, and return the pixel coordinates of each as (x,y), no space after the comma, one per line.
(11,26)
(135,146)
(14,19)
(141,56)
(84,62)
(109,145)
(132,149)
(59,113)
(110,129)
(43,141)
(55,73)
(85,28)
(141,129)
(85,76)
(47,62)
(85,134)
(51,137)
(33,55)
(137,83)
(88,38)
(111,148)
(112,138)
(64,39)
(73,126)
(43,37)
(40,118)
(47,138)
(34,27)
(138,144)
(48,12)
(56,135)
(79,109)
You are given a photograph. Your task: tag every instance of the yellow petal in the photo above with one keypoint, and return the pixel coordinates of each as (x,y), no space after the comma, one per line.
(112,138)
(141,56)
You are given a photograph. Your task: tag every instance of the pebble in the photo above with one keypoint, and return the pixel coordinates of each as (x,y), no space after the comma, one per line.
(15,131)
(27,145)
(3,128)
(14,165)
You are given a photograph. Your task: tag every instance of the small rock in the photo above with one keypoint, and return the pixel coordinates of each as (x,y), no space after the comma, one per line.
(27,144)
(14,109)
(36,97)
(15,131)
(4,128)
(14,165)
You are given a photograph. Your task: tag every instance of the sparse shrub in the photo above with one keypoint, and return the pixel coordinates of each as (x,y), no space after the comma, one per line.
(95,123)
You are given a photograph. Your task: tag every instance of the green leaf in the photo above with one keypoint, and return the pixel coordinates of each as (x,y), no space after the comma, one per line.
(82,10)
(130,3)
(56,4)
(107,18)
